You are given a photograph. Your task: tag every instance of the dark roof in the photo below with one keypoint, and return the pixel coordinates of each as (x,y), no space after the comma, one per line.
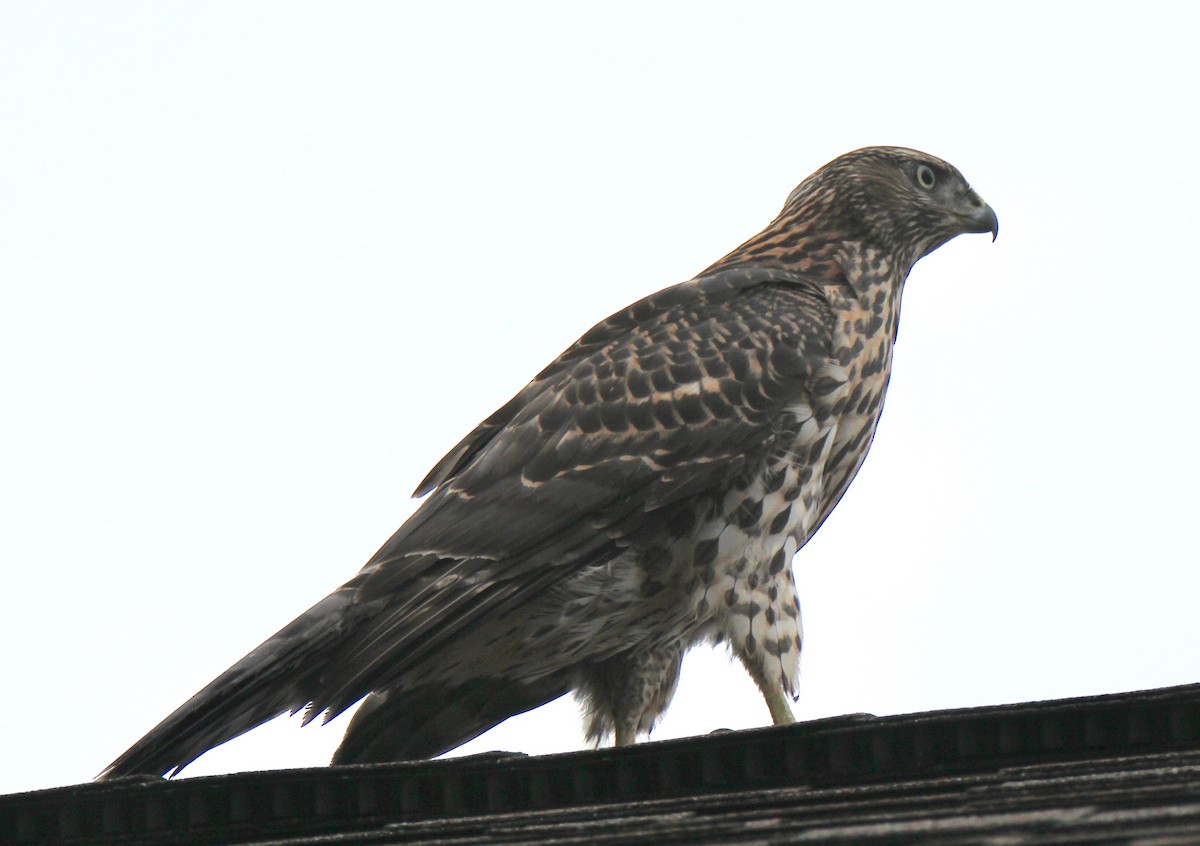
(1123,768)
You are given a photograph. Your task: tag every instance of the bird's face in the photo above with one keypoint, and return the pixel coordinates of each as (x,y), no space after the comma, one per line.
(897,204)
(912,201)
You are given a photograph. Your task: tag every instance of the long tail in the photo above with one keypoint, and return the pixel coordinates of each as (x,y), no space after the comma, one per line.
(422,722)
(270,681)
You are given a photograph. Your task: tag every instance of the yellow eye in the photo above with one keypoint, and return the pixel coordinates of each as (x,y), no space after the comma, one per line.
(925,177)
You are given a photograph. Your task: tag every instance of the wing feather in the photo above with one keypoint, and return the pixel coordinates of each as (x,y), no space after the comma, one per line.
(662,402)
(666,400)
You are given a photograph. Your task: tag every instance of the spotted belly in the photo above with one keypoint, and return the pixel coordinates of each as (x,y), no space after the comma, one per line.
(746,596)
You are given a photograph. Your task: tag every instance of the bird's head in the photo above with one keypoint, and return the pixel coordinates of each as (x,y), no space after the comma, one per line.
(903,200)
(901,204)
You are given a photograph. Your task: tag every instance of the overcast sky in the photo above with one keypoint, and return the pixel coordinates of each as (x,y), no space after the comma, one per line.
(261,264)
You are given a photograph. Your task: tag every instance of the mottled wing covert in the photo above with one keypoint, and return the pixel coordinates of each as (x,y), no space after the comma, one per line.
(663,400)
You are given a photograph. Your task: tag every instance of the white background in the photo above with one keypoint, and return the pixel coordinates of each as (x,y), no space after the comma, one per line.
(261,264)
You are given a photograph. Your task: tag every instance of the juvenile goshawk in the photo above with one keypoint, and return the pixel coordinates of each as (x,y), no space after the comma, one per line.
(645,492)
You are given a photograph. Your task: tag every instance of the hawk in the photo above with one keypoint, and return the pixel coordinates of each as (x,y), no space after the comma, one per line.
(644,493)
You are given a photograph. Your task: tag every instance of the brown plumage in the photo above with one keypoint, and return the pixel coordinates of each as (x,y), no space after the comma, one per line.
(644,493)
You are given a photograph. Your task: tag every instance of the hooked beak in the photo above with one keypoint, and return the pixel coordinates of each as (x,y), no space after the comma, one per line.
(980,217)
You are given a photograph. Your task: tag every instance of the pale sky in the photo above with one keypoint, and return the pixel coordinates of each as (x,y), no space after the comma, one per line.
(261,264)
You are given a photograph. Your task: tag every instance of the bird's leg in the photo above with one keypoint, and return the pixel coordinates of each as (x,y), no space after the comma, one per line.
(777,700)
(627,693)
(768,640)
(777,703)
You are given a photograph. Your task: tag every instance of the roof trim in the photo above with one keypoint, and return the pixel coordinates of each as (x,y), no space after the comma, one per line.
(851,750)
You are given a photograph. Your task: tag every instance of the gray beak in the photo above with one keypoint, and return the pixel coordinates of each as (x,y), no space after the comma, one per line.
(980,217)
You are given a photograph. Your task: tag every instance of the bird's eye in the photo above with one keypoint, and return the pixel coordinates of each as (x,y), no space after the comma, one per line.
(925,177)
